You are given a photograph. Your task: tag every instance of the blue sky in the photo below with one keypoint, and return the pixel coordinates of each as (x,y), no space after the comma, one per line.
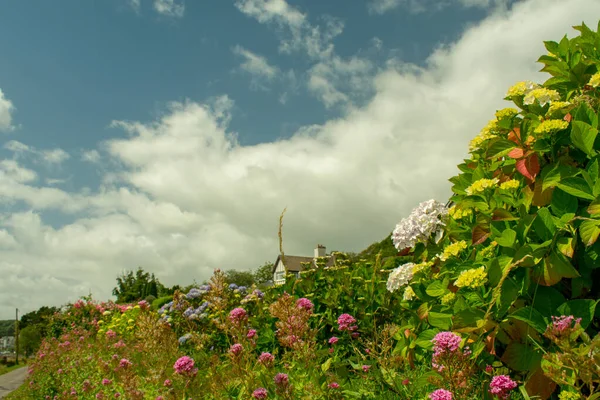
(170,134)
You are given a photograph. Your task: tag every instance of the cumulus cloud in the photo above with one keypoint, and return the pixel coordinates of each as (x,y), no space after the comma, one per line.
(257,67)
(419,6)
(170,8)
(49,156)
(6,110)
(189,198)
(91,156)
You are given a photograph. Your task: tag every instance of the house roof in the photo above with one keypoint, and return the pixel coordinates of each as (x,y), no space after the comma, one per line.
(294,263)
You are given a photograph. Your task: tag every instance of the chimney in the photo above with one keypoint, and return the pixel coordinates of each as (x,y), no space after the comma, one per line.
(319,251)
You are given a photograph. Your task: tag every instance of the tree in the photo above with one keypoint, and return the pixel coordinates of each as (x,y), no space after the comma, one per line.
(135,287)
(264,273)
(240,278)
(30,339)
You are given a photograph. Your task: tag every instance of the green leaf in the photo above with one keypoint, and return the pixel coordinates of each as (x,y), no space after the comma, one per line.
(499,148)
(594,207)
(563,203)
(507,239)
(521,357)
(531,317)
(424,338)
(583,136)
(555,267)
(543,225)
(440,320)
(580,308)
(500,214)
(467,318)
(325,366)
(553,174)
(589,231)
(547,300)
(577,187)
(436,289)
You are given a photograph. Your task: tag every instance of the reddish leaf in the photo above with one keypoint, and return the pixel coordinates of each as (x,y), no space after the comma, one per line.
(515,135)
(516,153)
(529,167)
(568,117)
(480,234)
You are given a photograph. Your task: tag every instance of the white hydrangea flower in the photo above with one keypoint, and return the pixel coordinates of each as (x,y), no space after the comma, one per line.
(400,277)
(422,222)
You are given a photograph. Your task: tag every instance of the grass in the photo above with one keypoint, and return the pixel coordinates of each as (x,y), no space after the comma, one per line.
(4,369)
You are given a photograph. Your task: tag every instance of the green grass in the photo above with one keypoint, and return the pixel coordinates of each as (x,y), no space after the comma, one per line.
(4,369)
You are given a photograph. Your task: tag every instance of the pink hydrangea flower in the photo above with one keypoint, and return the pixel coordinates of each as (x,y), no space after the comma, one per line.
(184,365)
(345,322)
(441,394)
(501,385)
(305,304)
(260,393)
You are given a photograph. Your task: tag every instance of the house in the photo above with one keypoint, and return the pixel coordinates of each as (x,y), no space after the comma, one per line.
(294,264)
(7,343)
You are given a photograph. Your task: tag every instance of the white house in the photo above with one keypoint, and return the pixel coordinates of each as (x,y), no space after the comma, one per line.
(294,264)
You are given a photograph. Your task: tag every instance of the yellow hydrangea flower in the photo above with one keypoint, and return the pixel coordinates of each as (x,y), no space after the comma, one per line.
(520,88)
(420,267)
(509,185)
(472,278)
(488,252)
(453,250)
(595,80)
(480,185)
(568,395)
(557,105)
(551,126)
(488,132)
(459,213)
(448,298)
(508,112)
(542,96)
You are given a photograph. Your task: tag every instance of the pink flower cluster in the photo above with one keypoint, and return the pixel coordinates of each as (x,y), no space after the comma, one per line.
(346,323)
(562,326)
(251,333)
(124,363)
(236,349)
(266,359)
(281,379)
(501,385)
(260,393)
(184,365)
(333,340)
(238,315)
(305,304)
(441,394)
(445,342)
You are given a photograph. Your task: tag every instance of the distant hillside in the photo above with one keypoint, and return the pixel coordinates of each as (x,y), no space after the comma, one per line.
(7,327)
(386,247)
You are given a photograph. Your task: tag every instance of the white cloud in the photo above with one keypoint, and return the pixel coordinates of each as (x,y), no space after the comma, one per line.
(170,8)
(135,4)
(190,198)
(257,66)
(91,156)
(6,110)
(419,6)
(51,156)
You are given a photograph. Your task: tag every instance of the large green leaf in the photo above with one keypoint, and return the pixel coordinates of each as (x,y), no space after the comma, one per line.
(507,239)
(577,187)
(499,148)
(554,268)
(436,289)
(543,225)
(424,338)
(547,300)
(579,308)
(583,136)
(531,317)
(563,203)
(589,230)
(440,320)
(467,318)
(521,357)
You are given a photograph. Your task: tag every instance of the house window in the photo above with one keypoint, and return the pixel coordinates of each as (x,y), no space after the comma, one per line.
(279,277)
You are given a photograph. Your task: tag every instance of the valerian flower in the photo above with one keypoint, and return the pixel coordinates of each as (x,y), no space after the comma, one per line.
(542,95)
(595,80)
(426,219)
(501,386)
(480,185)
(400,277)
(510,184)
(551,126)
(441,394)
(472,278)
(453,250)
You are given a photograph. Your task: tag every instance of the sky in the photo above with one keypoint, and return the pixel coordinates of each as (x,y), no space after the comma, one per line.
(171,134)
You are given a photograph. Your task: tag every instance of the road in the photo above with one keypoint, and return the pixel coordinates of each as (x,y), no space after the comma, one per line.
(11,381)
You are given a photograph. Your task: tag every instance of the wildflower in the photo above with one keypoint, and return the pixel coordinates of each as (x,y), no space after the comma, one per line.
(281,379)
(510,184)
(183,365)
(480,185)
(562,326)
(238,315)
(251,333)
(185,338)
(428,217)
(448,298)
(595,80)
(236,349)
(334,385)
(441,394)
(406,382)
(333,340)
(472,278)
(305,304)
(568,395)
(400,277)
(266,359)
(366,368)
(345,321)
(453,250)
(167,382)
(409,294)
(520,88)
(124,363)
(501,385)
(260,393)
(445,342)
(459,213)
(508,112)
(106,382)
(159,398)
(542,95)
(489,369)
(551,126)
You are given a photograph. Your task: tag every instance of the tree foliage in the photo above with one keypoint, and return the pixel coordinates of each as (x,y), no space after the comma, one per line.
(136,286)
